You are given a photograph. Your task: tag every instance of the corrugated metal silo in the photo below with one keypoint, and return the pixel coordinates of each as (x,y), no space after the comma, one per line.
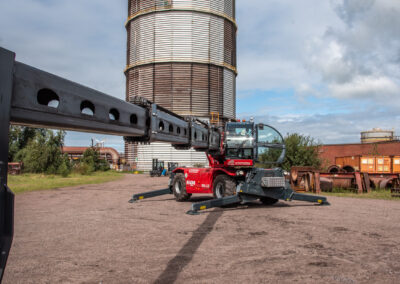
(182,55)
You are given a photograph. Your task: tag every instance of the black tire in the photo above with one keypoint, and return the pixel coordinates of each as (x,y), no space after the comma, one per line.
(268,200)
(224,186)
(179,187)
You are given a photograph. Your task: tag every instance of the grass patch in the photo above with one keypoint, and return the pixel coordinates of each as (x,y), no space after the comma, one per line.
(374,194)
(131,172)
(32,182)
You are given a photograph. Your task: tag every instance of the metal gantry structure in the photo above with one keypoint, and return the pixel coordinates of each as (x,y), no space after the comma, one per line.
(32,97)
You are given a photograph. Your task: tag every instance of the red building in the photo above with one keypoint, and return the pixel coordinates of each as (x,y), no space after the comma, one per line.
(328,153)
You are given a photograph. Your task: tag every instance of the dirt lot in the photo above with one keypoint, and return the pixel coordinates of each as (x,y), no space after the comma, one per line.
(91,234)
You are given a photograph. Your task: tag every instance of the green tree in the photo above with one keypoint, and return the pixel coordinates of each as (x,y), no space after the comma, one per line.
(43,154)
(300,151)
(19,137)
(91,162)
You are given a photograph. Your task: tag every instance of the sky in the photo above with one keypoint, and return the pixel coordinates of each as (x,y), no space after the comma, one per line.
(328,69)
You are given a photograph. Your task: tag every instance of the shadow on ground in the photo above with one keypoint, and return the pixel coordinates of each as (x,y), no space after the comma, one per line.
(185,255)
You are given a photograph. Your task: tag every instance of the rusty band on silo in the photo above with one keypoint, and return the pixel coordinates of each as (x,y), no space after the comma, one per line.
(221,8)
(185,88)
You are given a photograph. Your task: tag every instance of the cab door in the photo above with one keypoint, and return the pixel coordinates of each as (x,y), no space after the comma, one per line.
(270,146)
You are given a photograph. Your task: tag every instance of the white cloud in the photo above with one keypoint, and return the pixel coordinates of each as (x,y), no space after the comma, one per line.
(360,59)
(382,89)
(273,38)
(84,41)
(334,128)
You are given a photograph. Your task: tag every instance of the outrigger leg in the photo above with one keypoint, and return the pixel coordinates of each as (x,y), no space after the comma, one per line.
(288,195)
(228,200)
(310,198)
(154,193)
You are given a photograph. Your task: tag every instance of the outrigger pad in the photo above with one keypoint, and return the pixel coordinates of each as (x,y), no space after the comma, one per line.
(154,193)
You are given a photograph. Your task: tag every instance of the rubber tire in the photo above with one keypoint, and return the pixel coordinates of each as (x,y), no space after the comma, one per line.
(268,200)
(228,183)
(182,195)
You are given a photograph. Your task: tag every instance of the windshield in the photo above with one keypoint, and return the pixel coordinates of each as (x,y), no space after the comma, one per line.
(239,135)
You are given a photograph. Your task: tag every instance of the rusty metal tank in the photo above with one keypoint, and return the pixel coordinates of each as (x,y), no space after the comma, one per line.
(182,55)
(377,135)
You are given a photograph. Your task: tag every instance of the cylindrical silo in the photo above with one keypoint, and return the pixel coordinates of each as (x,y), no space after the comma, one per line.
(181,54)
(377,135)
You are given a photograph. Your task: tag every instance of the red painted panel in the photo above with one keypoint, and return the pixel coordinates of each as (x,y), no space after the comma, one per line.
(198,180)
(238,163)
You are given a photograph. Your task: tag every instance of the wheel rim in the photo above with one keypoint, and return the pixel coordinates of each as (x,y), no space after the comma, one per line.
(219,190)
(178,187)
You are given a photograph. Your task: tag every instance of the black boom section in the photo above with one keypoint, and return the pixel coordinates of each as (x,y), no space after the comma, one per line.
(6,196)
(41,99)
(180,132)
(168,127)
(33,97)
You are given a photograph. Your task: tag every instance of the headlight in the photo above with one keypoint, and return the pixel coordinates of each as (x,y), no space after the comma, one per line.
(240,173)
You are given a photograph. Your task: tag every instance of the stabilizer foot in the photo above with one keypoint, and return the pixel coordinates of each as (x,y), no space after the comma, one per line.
(309,198)
(191,212)
(145,195)
(199,206)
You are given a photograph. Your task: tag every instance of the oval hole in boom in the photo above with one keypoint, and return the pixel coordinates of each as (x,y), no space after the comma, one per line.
(133,119)
(49,98)
(87,108)
(114,114)
(161,126)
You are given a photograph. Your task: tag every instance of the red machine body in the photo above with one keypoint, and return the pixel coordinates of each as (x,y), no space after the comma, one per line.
(201,180)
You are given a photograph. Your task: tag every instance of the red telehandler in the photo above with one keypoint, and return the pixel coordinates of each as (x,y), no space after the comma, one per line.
(232,176)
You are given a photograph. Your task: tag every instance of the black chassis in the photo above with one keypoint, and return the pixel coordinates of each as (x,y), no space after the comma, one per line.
(259,183)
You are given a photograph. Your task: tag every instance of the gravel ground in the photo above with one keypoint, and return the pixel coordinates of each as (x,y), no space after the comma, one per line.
(91,234)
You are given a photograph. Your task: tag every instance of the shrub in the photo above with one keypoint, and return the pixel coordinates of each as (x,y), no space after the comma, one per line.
(65,168)
(91,162)
(43,154)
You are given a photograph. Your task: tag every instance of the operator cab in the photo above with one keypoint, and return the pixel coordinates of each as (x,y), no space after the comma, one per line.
(258,142)
(240,141)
